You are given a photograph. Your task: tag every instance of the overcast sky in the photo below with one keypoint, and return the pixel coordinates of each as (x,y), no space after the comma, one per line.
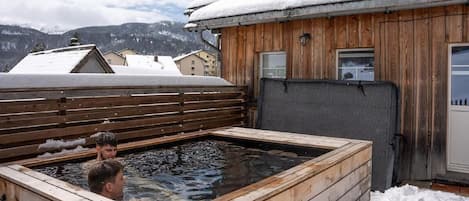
(70,14)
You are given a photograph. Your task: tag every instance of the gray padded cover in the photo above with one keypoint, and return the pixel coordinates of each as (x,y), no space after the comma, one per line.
(355,110)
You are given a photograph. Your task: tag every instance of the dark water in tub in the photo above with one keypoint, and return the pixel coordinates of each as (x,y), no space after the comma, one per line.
(198,170)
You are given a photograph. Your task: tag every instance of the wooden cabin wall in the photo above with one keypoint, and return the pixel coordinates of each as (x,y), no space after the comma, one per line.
(410,46)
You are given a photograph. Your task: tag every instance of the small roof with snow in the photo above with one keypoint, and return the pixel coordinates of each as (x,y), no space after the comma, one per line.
(225,13)
(189,54)
(164,66)
(56,61)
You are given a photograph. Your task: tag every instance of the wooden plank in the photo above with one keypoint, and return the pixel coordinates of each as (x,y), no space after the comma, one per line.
(289,40)
(439,69)
(365,31)
(330,71)
(241,56)
(296,49)
(359,191)
(60,132)
(121,147)
(277,37)
(233,55)
(98,114)
(212,122)
(59,184)
(406,54)
(342,186)
(454,23)
(353,35)
(268,37)
(318,46)
(225,47)
(379,30)
(341,39)
(250,54)
(13,192)
(259,43)
(31,107)
(306,71)
(284,137)
(37,186)
(423,84)
(315,186)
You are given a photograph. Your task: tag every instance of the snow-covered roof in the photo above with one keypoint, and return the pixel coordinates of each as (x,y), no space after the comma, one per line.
(199,3)
(125,70)
(8,80)
(188,54)
(224,13)
(164,66)
(55,61)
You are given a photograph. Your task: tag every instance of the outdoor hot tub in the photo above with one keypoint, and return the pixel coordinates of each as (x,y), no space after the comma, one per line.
(222,164)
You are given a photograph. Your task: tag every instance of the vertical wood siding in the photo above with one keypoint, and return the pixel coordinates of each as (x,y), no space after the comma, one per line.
(410,50)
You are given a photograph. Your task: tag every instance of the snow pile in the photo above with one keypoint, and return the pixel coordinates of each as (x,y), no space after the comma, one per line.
(61,144)
(63,152)
(412,193)
(227,8)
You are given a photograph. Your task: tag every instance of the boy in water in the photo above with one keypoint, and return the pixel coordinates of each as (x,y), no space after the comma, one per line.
(107,179)
(106,146)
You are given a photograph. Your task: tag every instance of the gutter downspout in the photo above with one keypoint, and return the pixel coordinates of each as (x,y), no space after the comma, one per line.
(214,47)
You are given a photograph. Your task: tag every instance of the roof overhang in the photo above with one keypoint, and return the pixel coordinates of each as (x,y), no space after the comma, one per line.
(316,11)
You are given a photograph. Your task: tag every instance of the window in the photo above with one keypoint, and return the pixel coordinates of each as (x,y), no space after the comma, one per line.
(193,68)
(193,62)
(273,65)
(356,64)
(109,60)
(459,75)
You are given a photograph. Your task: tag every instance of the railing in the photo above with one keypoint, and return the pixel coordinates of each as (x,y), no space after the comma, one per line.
(29,117)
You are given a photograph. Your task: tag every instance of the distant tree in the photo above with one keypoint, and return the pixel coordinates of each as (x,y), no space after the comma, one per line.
(38,47)
(75,40)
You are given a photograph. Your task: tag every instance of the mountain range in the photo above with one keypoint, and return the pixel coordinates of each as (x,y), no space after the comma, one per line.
(162,38)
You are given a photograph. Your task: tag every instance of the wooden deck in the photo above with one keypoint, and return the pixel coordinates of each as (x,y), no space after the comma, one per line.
(344,173)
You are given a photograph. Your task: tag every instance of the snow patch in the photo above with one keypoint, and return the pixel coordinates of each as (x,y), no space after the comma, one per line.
(413,193)
(61,144)
(13,33)
(63,152)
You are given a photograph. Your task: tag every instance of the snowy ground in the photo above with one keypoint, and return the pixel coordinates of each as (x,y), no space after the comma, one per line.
(412,193)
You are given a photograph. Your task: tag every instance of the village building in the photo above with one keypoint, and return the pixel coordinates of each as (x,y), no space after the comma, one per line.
(73,59)
(420,46)
(148,64)
(198,62)
(114,58)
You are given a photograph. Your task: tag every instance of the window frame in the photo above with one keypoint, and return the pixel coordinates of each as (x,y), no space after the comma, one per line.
(338,51)
(261,62)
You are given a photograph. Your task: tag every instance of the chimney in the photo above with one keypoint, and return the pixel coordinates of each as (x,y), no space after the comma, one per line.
(156,58)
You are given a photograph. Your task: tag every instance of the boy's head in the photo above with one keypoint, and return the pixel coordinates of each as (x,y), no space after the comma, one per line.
(106,145)
(106,178)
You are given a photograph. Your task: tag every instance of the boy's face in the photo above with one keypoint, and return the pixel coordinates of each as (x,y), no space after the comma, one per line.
(107,151)
(116,188)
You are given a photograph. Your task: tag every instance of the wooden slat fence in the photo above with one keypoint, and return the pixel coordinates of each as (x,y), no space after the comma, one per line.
(28,117)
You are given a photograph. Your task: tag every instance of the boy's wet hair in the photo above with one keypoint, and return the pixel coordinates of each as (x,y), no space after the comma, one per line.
(106,138)
(103,172)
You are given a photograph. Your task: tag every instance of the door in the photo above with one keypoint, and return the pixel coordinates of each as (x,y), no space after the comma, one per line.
(458,110)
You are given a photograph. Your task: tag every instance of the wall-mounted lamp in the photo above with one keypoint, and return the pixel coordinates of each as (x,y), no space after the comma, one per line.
(304,38)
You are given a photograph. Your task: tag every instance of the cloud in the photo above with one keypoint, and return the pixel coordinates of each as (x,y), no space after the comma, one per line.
(70,14)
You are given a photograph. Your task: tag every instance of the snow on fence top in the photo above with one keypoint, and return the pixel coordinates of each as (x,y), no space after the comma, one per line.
(96,80)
